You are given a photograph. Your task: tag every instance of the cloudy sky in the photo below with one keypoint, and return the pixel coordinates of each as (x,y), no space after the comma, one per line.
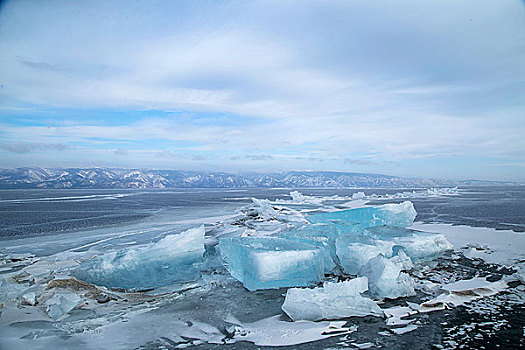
(410,88)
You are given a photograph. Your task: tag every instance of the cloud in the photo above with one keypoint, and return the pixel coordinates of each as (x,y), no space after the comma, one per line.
(405,82)
(198,157)
(21,148)
(121,152)
(259,157)
(356,161)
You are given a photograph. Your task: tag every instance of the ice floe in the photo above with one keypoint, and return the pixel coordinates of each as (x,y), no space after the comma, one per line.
(331,301)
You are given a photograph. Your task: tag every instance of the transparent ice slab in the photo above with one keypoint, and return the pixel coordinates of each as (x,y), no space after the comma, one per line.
(174,259)
(271,262)
(323,236)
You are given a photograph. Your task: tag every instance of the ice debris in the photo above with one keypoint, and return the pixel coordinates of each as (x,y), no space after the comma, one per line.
(271,262)
(61,303)
(29,299)
(298,197)
(174,259)
(385,279)
(272,331)
(332,301)
(462,292)
(520,274)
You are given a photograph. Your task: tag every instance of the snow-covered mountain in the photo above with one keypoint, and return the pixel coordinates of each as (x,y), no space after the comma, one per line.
(140,178)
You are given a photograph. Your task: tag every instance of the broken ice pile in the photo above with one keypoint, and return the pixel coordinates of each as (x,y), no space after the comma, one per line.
(332,301)
(273,262)
(370,241)
(174,259)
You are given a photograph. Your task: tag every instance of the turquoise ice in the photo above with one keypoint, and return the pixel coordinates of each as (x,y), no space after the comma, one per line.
(323,236)
(174,259)
(272,262)
(400,215)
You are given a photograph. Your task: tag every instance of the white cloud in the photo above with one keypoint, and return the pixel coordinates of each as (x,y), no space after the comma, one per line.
(388,81)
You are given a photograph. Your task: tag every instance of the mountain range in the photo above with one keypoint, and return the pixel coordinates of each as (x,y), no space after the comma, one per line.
(143,178)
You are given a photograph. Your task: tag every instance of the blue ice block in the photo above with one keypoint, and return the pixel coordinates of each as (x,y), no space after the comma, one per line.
(418,245)
(174,259)
(321,235)
(400,215)
(272,262)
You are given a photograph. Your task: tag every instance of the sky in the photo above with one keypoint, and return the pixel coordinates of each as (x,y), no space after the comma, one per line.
(410,88)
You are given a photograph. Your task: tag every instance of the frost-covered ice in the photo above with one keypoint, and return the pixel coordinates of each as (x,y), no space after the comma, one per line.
(355,251)
(61,303)
(505,247)
(462,292)
(332,301)
(30,298)
(417,245)
(272,331)
(402,215)
(173,259)
(271,262)
(386,279)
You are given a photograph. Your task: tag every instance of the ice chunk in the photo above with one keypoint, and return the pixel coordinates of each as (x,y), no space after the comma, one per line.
(385,279)
(402,215)
(323,236)
(29,299)
(355,251)
(298,197)
(358,195)
(424,246)
(401,259)
(263,208)
(403,330)
(332,301)
(520,274)
(461,292)
(418,245)
(175,258)
(61,303)
(270,262)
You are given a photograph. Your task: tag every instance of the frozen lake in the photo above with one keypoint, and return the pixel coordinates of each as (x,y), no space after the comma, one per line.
(46,234)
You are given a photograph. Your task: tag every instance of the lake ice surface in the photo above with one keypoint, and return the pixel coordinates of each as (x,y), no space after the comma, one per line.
(44,305)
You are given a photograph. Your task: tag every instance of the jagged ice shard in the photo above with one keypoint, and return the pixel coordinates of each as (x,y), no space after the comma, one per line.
(385,279)
(174,259)
(354,251)
(271,262)
(417,245)
(332,301)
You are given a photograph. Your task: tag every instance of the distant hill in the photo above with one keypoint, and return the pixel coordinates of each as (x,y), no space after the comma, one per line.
(140,178)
